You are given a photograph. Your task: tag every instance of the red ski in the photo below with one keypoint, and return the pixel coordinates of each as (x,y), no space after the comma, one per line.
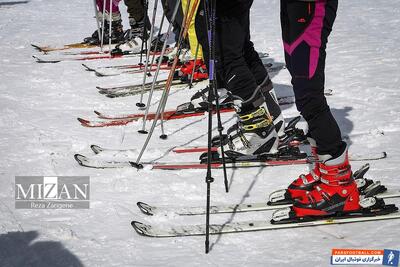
(125,119)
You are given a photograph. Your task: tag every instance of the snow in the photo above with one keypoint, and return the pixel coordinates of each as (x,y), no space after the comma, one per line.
(39,104)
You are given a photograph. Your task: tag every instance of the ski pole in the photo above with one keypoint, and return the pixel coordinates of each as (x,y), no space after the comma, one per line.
(167,85)
(153,20)
(178,44)
(213,94)
(97,21)
(140,104)
(110,29)
(185,25)
(217,104)
(213,85)
(159,35)
(143,130)
(145,9)
(102,25)
(209,178)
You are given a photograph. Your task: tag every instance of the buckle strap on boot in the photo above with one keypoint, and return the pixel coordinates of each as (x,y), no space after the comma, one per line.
(259,112)
(258,125)
(336,175)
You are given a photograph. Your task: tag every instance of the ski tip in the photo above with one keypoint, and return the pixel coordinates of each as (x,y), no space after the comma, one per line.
(97,113)
(384,154)
(83,121)
(87,67)
(37,47)
(141,228)
(96,149)
(79,158)
(145,208)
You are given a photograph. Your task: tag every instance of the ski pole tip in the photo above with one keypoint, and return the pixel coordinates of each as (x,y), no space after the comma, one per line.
(140,105)
(143,132)
(163,136)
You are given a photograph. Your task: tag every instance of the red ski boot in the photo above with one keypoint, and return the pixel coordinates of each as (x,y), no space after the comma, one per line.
(301,185)
(200,71)
(335,195)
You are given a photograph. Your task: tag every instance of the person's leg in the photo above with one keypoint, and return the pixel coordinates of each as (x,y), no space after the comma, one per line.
(202,37)
(116,30)
(135,9)
(99,4)
(254,132)
(330,187)
(137,20)
(192,37)
(305,42)
(251,56)
(260,74)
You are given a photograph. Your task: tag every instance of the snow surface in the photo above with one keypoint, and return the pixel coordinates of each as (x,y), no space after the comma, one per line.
(39,104)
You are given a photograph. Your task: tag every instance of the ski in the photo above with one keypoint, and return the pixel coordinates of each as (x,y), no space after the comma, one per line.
(115,72)
(190,113)
(230,208)
(130,90)
(132,69)
(167,115)
(56,59)
(45,49)
(158,87)
(73,58)
(250,226)
(124,119)
(216,164)
(133,87)
(126,66)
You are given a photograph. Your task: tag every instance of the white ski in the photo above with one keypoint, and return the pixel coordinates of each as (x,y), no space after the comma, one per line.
(232,208)
(247,226)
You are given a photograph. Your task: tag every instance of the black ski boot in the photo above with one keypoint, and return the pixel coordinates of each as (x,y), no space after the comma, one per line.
(117,34)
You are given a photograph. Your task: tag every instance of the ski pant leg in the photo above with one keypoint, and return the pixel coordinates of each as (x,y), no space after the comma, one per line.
(135,9)
(99,4)
(260,74)
(305,30)
(168,6)
(114,5)
(232,33)
(193,43)
(116,15)
(251,56)
(202,37)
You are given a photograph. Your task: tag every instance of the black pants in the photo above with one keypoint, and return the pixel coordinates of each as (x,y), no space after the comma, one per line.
(305,30)
(238,66)
(135,9)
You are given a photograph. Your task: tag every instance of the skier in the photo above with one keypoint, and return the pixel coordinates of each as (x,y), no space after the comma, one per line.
(136,21)
(330,186)
(240,70)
